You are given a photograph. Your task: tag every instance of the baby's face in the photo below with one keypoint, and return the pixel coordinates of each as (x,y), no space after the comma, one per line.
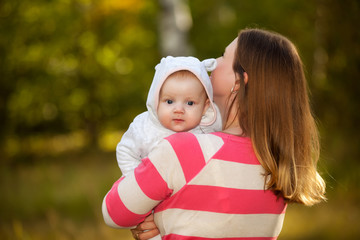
(182,103)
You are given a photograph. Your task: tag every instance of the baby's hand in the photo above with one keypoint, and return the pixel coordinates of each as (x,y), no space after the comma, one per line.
(146,230)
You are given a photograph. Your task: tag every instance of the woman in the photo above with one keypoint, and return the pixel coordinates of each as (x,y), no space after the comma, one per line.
(235,183)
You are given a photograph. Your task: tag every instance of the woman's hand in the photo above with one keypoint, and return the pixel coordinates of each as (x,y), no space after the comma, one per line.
(145,230)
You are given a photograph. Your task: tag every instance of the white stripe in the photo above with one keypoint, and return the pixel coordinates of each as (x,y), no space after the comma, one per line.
(218,225)
(231,175)
(133,197)
(167,164)
(209,144)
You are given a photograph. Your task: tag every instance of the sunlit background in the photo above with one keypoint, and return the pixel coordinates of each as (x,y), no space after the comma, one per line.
(74,73)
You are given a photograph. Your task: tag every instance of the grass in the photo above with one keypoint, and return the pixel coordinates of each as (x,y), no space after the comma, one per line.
(60,198)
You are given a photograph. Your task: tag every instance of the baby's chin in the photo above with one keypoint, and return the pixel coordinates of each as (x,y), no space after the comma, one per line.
(181,129)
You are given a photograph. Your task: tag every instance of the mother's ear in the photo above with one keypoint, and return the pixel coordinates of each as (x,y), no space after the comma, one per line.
(246,78)
(236,86)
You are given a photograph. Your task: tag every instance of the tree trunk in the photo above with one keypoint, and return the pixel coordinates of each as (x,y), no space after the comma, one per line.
(174,24)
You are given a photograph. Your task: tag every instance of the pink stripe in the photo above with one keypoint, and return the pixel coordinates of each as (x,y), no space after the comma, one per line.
(225,200)
(118,211)
(151,182)
(236,149)
(179,237)
(188,151)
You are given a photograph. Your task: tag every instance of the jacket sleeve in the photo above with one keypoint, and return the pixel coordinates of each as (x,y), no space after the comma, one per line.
(127,154)
(129,149)
(133,196)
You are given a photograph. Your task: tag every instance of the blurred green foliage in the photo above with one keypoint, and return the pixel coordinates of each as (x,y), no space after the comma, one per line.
(70,65)
(74,73)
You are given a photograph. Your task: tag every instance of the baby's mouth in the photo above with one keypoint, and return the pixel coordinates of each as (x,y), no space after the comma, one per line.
(178,120)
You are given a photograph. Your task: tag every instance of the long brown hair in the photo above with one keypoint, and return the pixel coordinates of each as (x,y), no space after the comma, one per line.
(274,111)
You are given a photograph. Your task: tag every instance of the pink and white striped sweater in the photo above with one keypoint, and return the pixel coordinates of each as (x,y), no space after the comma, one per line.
(206,186)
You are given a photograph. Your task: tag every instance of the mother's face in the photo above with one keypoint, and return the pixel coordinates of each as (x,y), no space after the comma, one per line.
(223,77)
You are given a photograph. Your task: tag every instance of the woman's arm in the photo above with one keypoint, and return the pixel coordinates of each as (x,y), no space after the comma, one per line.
(132,198)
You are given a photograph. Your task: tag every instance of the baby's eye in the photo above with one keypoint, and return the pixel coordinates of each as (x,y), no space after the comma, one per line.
(169,101)
(190,103)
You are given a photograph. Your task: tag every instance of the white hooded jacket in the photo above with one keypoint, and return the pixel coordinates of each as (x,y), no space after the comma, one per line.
(146,130)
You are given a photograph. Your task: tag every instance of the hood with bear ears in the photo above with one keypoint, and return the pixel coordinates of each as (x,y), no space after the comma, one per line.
(169,65)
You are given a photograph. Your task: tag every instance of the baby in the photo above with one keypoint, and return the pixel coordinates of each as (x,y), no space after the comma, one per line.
(180,99)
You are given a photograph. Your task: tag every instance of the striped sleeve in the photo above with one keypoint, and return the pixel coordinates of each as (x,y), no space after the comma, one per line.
(132,198)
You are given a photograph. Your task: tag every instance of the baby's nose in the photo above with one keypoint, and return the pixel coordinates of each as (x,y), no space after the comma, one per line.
(179,108)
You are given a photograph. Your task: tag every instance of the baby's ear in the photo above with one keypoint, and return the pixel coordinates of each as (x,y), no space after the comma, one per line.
(207,104)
